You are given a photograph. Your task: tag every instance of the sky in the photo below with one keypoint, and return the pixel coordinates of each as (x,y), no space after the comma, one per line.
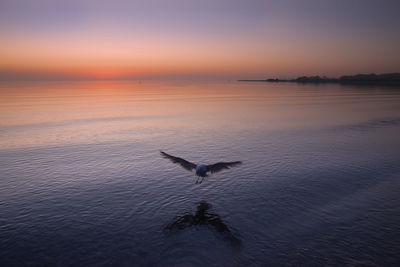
(219,39)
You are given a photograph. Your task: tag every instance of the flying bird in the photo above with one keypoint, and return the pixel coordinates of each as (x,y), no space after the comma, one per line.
(201,169)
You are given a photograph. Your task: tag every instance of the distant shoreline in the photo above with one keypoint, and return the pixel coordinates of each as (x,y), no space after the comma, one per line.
(386,79)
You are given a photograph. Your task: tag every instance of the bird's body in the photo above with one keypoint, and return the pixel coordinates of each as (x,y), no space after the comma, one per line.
(201,169)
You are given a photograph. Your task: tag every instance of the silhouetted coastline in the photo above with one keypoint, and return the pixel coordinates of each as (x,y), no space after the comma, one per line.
(384,79)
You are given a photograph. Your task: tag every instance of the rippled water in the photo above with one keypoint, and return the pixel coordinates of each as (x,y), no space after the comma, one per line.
(83,183)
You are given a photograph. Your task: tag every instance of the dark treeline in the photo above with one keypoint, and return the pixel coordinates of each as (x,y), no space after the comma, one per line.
(388,78)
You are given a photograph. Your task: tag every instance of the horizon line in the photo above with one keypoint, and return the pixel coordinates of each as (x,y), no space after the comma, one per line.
(195,78)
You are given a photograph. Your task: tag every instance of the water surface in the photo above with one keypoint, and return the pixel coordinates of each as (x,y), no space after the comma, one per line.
(83,183)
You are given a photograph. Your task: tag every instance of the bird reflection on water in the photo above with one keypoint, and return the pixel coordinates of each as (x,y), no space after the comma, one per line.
(203,217)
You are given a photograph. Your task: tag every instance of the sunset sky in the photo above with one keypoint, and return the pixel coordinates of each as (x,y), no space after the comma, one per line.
(94,39)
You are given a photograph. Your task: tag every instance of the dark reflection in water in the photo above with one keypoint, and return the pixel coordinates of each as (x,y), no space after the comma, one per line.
(203,217)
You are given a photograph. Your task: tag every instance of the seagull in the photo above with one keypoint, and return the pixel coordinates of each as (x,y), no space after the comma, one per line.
(201,169)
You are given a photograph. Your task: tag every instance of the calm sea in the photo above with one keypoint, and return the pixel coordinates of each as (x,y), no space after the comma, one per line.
(82,181)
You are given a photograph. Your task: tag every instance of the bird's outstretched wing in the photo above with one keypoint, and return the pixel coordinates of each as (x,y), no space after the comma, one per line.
(221,166)
(184,163)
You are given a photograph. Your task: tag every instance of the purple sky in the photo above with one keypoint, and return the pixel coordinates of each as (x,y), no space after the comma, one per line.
(197,39)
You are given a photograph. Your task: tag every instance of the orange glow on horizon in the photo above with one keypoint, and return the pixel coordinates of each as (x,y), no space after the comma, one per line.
(91,55)
(137,39)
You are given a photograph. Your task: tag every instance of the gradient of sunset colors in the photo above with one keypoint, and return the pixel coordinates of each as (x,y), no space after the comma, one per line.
(88,39)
